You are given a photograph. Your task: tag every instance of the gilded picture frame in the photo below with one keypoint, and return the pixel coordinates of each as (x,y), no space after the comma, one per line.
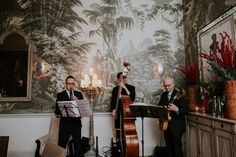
(210,34)
(16,52)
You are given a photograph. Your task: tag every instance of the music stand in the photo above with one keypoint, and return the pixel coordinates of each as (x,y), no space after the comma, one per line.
(151,111)
(77,108)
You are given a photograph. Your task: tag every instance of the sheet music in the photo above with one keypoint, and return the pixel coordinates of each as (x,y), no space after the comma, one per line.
(78,108)
(142,104)
(84,107)
(69,108)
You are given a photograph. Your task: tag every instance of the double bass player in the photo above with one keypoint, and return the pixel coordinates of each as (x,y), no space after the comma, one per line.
(122,96)
(116,104)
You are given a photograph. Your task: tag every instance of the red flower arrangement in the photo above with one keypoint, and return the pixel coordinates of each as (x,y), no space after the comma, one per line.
(191,72)
(223,64)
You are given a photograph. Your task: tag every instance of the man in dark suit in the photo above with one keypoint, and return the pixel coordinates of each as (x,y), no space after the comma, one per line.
(175,101)
(116,104)
(69,125)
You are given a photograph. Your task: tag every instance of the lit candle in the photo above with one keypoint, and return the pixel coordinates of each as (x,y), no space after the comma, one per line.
(95,76)
(86,83)
(90,71)
(94,83)
(99,83)
(82,84)
(86,77)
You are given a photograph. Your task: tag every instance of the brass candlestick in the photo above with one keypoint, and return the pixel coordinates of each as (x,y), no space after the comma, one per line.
(91,86)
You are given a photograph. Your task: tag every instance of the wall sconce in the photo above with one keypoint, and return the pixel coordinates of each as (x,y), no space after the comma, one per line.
(42,68)
(158,70)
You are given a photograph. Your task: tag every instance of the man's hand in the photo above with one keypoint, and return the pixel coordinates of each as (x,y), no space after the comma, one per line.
(58,116)
(113,113)
(173,107)
(123,86)
(74,98)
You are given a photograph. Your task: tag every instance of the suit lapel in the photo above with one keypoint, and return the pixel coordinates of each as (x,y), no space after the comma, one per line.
(65,95)
(173,94)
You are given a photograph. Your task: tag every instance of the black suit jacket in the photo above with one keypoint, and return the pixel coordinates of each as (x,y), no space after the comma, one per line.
(119,108)
(67,123)
(177,123)
(123,92)
(63,96)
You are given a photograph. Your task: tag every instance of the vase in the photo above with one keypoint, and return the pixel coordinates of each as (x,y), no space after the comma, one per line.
(230,99)
(192,102)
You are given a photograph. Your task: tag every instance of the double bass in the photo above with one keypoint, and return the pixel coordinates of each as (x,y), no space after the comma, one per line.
(129,144)
(130,137)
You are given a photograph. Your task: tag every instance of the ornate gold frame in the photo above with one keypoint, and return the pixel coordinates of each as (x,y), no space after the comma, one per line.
(30,49)
(224,23)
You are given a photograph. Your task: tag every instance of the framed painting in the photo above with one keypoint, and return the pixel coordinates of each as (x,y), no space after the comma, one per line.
(13,69)
(15,66)
(209,40)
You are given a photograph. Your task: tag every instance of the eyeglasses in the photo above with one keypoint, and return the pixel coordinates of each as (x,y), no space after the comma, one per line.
(69,83)
(167,85)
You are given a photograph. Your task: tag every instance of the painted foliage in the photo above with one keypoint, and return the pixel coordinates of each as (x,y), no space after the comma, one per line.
(72,36)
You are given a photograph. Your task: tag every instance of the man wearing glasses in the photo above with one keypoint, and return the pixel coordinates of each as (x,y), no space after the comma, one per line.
(177,106)
(69,125)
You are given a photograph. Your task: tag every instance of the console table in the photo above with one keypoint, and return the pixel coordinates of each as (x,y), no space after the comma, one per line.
(209,136)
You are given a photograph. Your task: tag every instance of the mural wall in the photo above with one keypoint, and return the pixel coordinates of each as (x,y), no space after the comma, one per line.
(73,36)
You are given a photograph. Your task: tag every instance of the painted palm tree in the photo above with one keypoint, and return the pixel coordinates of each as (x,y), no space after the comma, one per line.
(105,18)
(50,16)
(46,20)
(161,50)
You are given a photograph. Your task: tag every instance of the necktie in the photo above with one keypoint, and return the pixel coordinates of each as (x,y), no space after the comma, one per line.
(70,94)
(169,96)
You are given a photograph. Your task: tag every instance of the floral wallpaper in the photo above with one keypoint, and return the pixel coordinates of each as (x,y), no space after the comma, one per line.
(73,36)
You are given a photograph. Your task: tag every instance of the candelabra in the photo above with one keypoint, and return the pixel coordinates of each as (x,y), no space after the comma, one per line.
(91,86)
